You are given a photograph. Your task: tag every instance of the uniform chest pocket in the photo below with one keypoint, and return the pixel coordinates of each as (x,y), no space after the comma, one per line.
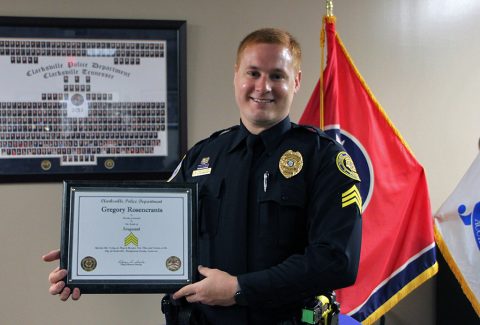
(282,212)
(210,200)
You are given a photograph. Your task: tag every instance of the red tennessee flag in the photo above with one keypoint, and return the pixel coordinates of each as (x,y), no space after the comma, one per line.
(398,248)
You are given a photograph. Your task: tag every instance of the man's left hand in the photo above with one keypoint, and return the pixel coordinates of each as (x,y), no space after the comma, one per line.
(217,288)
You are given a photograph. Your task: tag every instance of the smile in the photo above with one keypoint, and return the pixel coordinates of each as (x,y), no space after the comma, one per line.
(262,100)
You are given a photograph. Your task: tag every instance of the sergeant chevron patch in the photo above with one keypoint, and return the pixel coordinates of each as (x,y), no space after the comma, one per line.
(130,239)
(352,196)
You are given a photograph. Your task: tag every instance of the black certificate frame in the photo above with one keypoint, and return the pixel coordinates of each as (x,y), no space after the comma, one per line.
(69,154)
(115,284)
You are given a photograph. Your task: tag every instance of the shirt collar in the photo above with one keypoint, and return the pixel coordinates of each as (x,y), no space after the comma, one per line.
(270,137)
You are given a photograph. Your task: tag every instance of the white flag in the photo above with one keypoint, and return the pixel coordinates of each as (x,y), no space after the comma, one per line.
(457,232)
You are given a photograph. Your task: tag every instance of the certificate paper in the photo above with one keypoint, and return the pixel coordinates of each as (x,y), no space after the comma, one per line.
(129,237)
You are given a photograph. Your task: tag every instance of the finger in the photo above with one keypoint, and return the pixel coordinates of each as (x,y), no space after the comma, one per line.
(65,294)
(76,294)
(203,270)
(57,275)
(56,288)
(51,256)
(52,275)
(192,298)
(183,292)
(179,294)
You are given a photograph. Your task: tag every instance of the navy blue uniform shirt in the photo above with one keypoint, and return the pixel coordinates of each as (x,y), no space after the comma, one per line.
(288,226)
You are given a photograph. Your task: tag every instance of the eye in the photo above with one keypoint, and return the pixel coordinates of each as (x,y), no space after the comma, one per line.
(253,73)
(277,76)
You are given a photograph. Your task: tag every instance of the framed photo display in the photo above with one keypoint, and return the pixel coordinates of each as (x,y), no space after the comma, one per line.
(91,98)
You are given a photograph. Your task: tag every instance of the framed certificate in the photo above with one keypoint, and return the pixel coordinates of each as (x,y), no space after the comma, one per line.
(129,237)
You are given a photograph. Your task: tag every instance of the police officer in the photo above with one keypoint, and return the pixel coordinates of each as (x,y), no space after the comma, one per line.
(273,229)
(279,218)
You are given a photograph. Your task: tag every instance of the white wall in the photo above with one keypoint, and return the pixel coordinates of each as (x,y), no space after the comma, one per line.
(420,58)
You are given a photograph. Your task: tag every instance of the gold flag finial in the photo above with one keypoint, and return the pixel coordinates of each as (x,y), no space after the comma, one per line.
(329,8)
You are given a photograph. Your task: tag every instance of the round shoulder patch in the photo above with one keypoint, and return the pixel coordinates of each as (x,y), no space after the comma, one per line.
(346,166)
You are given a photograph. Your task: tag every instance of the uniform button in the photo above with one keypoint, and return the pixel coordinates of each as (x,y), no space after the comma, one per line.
(284,197)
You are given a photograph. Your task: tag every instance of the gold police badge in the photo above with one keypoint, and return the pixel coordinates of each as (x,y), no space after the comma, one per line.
(346,166)
(290,163)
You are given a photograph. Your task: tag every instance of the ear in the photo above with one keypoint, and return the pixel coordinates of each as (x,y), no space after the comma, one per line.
(298,79)
(235,72)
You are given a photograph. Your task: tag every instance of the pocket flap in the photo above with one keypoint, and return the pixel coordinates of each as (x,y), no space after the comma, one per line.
(286,194)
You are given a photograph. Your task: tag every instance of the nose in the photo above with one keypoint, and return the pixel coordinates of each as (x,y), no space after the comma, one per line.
(263,85)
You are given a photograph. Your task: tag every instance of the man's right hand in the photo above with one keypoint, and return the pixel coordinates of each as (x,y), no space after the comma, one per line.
(56,277)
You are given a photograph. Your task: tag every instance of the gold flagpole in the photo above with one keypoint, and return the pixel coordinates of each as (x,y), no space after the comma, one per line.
(328,14)
(329,6)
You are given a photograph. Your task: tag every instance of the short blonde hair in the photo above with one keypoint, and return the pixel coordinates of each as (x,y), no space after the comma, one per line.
(272,36)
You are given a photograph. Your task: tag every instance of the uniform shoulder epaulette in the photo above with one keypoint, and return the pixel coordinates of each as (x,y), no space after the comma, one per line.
(311,128)
(213,136)
(220,132)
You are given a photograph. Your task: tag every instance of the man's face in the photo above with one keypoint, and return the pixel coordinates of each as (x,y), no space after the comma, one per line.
(265,82)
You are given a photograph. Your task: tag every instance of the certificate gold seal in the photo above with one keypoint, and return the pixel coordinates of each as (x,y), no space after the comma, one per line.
(346,166)
(88,263)
(290,163)
(173,263)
